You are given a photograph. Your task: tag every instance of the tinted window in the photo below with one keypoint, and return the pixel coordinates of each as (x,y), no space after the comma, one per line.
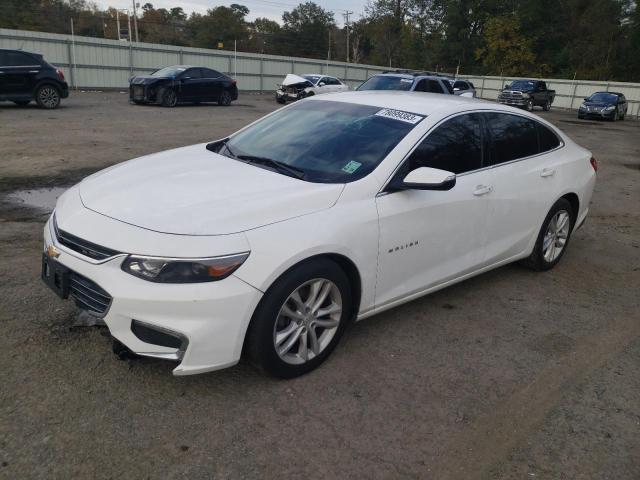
(193,73)
(208,73)
(512,137)
(455,146)
(547,139)
(332,142)
(332,81)
(387,82)
(17,59)
(461,85)
(168,72)
(434,87)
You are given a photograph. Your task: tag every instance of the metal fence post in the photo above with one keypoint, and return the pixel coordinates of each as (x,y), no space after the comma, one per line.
(482,88)
(181,57)
(261,75)
(293,66)
(72,76)
(230,69)
(573,95)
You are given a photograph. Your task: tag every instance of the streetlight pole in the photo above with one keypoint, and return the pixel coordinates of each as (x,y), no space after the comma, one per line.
(347,25)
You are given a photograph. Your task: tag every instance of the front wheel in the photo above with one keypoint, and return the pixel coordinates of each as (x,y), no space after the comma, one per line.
(547,106)
(553,238)
(225,99)
(529,105)
(300,319)
(48,96)
(169,98)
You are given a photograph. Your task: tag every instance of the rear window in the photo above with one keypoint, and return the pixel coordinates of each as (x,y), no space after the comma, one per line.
(17,59)
(387,82)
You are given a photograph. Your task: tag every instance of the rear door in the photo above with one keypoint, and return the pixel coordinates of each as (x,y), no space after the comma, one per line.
(19,73)
(212,84)
(429,237)
(523,153)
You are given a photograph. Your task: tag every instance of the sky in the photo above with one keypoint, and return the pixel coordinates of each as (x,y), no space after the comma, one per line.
(271,9)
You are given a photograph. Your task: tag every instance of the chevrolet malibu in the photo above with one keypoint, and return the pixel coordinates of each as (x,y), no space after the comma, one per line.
(271,241)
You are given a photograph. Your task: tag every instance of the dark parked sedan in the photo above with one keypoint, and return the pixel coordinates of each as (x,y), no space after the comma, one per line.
(604,105)
(183,84)
(26,76)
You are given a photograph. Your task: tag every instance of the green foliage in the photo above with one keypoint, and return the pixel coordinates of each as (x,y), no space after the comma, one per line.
(505,49)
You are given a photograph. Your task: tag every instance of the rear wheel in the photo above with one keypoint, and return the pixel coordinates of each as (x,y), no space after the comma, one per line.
(300,319)
(48,96)
(21,103)
(225,98)
(547,106)
(553,238)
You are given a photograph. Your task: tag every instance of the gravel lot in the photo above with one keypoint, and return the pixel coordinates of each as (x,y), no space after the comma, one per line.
(510,375)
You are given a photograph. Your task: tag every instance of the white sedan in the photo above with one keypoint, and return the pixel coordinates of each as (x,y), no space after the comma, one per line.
(296,87)
(271,241)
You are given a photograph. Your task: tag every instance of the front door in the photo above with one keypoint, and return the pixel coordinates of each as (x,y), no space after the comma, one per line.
(429,237)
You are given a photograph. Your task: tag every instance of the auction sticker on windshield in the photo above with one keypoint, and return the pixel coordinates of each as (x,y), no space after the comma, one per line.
(399,115)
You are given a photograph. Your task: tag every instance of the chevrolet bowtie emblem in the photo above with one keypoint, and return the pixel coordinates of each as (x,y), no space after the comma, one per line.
(52,252)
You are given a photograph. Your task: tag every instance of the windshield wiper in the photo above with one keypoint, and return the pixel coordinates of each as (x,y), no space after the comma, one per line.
(279,166)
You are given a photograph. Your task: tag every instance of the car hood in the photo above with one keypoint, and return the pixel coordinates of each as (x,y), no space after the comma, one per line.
(292,79)
(192,191)
(597,104)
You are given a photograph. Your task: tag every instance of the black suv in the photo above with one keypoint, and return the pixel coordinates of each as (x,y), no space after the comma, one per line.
(26,76)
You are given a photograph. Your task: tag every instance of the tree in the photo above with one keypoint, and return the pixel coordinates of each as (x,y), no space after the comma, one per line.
(219,24)
(506,51)
(306,30)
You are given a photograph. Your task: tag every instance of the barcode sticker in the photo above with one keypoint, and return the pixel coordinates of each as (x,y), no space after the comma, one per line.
(399,115)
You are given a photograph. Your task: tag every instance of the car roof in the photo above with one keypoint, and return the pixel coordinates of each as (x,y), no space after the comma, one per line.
(421,103)
(612,93)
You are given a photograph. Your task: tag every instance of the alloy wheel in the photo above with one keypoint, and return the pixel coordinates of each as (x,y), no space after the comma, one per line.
(556,236)
(48,97)
(307,321)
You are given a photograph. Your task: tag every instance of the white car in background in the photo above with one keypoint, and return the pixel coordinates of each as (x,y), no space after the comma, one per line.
(271,241)
(296,87)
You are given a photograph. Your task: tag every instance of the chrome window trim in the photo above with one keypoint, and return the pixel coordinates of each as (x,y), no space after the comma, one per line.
(20,66)
(562,144)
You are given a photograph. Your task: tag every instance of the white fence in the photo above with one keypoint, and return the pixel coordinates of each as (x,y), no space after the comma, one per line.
(99,63)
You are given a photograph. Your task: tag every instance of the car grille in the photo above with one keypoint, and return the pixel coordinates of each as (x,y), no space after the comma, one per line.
(511,95)
(87,294)
(84,247)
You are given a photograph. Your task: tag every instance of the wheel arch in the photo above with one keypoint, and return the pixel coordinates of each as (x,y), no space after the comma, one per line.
(47,81)
(574,200)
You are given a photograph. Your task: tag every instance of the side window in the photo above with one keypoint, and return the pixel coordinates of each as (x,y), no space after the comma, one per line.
(324,80)
(455,146)
(547,139)
(193,73)
(17,59)
(461,85)
(209,73)
(512,137)
(421,86)
(333,81)
(434,87)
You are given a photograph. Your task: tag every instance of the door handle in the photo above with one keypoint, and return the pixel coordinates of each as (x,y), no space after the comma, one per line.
(34,71)
(482,190)
(548,172)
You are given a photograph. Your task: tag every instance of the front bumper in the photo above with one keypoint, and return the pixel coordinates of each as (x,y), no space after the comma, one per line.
(141,93)
(211,318)
(514,102)
(281,94)
(598,115)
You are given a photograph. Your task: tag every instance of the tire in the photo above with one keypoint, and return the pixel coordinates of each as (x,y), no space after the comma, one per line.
(547,106)
(295,330)
(48,96)
(622,116)
(529,106)
(225,99)
(169,98)
(138,102)
(281,100)
(22,103)
(614,117)
(540,259)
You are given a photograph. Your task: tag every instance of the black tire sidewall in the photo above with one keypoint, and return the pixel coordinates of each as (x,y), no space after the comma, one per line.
(260,346)
(225,99)
(166,95)
(537,259)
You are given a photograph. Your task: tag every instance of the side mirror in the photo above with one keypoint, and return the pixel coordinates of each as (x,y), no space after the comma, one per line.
(425,178)
(321,84)
(456,89)
(586,99)
(507,86)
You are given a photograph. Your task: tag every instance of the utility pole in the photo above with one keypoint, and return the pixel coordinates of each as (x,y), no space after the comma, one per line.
(135,21)
(118,22)
(347,26)
(329,51)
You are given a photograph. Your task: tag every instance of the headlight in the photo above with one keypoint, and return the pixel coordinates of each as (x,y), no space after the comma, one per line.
(609,108)
(526,95)
(583,107)
(183,270)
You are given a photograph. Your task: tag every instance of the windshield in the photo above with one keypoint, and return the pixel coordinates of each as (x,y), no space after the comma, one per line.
(328,142)
(602,97)
(168,72)
(387,82)
(312,78)
(523,85)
